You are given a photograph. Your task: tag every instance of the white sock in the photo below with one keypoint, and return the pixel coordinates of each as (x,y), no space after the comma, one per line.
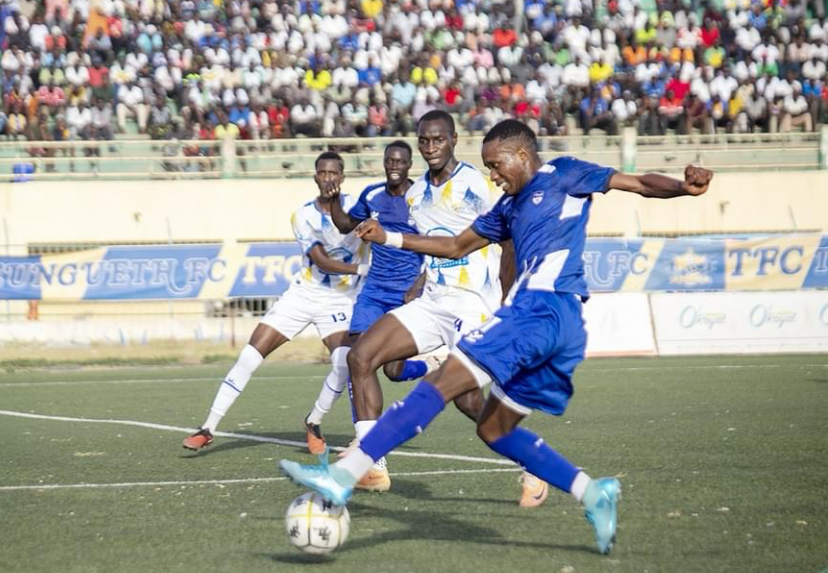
(362,429)
(356,463)
(233,385)
(579,485)
(332,387)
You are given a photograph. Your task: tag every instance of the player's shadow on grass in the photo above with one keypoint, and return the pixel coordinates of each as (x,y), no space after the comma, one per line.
(424,526)
(227,444)
(413,489)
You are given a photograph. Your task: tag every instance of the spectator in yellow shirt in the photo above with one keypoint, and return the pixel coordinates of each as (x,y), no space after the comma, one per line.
(225,129)
(714,55)
(599,71)
(318,80)
(371,8)
(426,75)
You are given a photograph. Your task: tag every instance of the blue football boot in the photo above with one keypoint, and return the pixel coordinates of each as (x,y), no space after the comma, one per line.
(601,510)
(320,478)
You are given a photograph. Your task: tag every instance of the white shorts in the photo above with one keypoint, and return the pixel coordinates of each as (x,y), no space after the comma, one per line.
(442,315)
(302,304)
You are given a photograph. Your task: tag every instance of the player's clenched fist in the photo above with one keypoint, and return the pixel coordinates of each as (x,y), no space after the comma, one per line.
(330,189)
(370,230)
(696,179)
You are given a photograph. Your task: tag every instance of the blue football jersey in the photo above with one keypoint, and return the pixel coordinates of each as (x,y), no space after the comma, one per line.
(547,221)
(391,269)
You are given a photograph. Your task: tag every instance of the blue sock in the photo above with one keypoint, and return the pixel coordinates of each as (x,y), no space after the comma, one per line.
(412,370)
(530,451)
(403,420)
(351,397)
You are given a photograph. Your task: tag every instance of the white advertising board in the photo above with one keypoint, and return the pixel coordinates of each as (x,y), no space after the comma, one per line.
(741,322)
(619,324)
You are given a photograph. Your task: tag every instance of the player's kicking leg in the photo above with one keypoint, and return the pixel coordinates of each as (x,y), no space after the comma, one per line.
(409,417)
(498,428)
(264,340)
(402,421)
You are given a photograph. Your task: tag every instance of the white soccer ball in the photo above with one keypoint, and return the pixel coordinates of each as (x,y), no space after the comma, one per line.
(315,525)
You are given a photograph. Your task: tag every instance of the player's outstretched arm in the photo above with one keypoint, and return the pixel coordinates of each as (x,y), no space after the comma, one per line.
(326,264)
(508,269)
(696,181)
(342,220)
(447,247)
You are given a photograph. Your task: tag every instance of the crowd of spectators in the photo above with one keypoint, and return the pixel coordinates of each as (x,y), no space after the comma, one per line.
(263,69)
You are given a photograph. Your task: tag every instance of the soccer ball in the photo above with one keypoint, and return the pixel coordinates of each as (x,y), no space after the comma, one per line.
(316,525)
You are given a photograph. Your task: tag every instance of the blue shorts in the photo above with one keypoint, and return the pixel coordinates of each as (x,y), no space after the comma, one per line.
(531,348)
(371,304)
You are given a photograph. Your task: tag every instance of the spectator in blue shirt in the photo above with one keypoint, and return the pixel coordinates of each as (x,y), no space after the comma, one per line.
(595,112)
(239,115)
(370,76)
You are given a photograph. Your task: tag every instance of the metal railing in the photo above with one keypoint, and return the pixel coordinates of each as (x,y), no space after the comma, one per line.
(286,158)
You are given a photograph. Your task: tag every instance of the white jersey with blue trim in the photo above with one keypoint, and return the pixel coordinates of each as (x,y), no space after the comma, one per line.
(448,210)
(311,226)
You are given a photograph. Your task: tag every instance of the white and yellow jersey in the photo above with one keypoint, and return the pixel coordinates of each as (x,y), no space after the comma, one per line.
(311,226)
(448,210)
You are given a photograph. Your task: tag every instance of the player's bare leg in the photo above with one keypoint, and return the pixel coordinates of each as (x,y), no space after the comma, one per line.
(263,341)
(387,340)
(470,404)
(338,344)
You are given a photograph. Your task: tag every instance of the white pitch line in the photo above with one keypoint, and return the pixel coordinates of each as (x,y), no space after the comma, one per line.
(217,379)
(250,437)
(56,486)
(583,370)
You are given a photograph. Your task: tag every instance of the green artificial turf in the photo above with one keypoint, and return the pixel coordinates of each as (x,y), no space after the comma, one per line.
(723,461)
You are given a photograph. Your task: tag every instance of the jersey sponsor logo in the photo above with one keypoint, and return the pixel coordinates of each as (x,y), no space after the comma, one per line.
(438,262)
(341,254)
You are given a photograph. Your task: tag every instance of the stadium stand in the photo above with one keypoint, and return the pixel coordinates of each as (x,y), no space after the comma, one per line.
(251,69)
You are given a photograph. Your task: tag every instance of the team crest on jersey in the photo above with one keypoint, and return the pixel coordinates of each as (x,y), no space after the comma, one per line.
(537,197)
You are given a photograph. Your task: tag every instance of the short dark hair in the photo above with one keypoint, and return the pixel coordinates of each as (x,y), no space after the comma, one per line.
(512,128)
(402,145)
(330,155)
(438,115)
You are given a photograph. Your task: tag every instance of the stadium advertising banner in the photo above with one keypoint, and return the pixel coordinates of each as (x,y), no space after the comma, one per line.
(702,323)
(214,271)
(788,262)
(153,272)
